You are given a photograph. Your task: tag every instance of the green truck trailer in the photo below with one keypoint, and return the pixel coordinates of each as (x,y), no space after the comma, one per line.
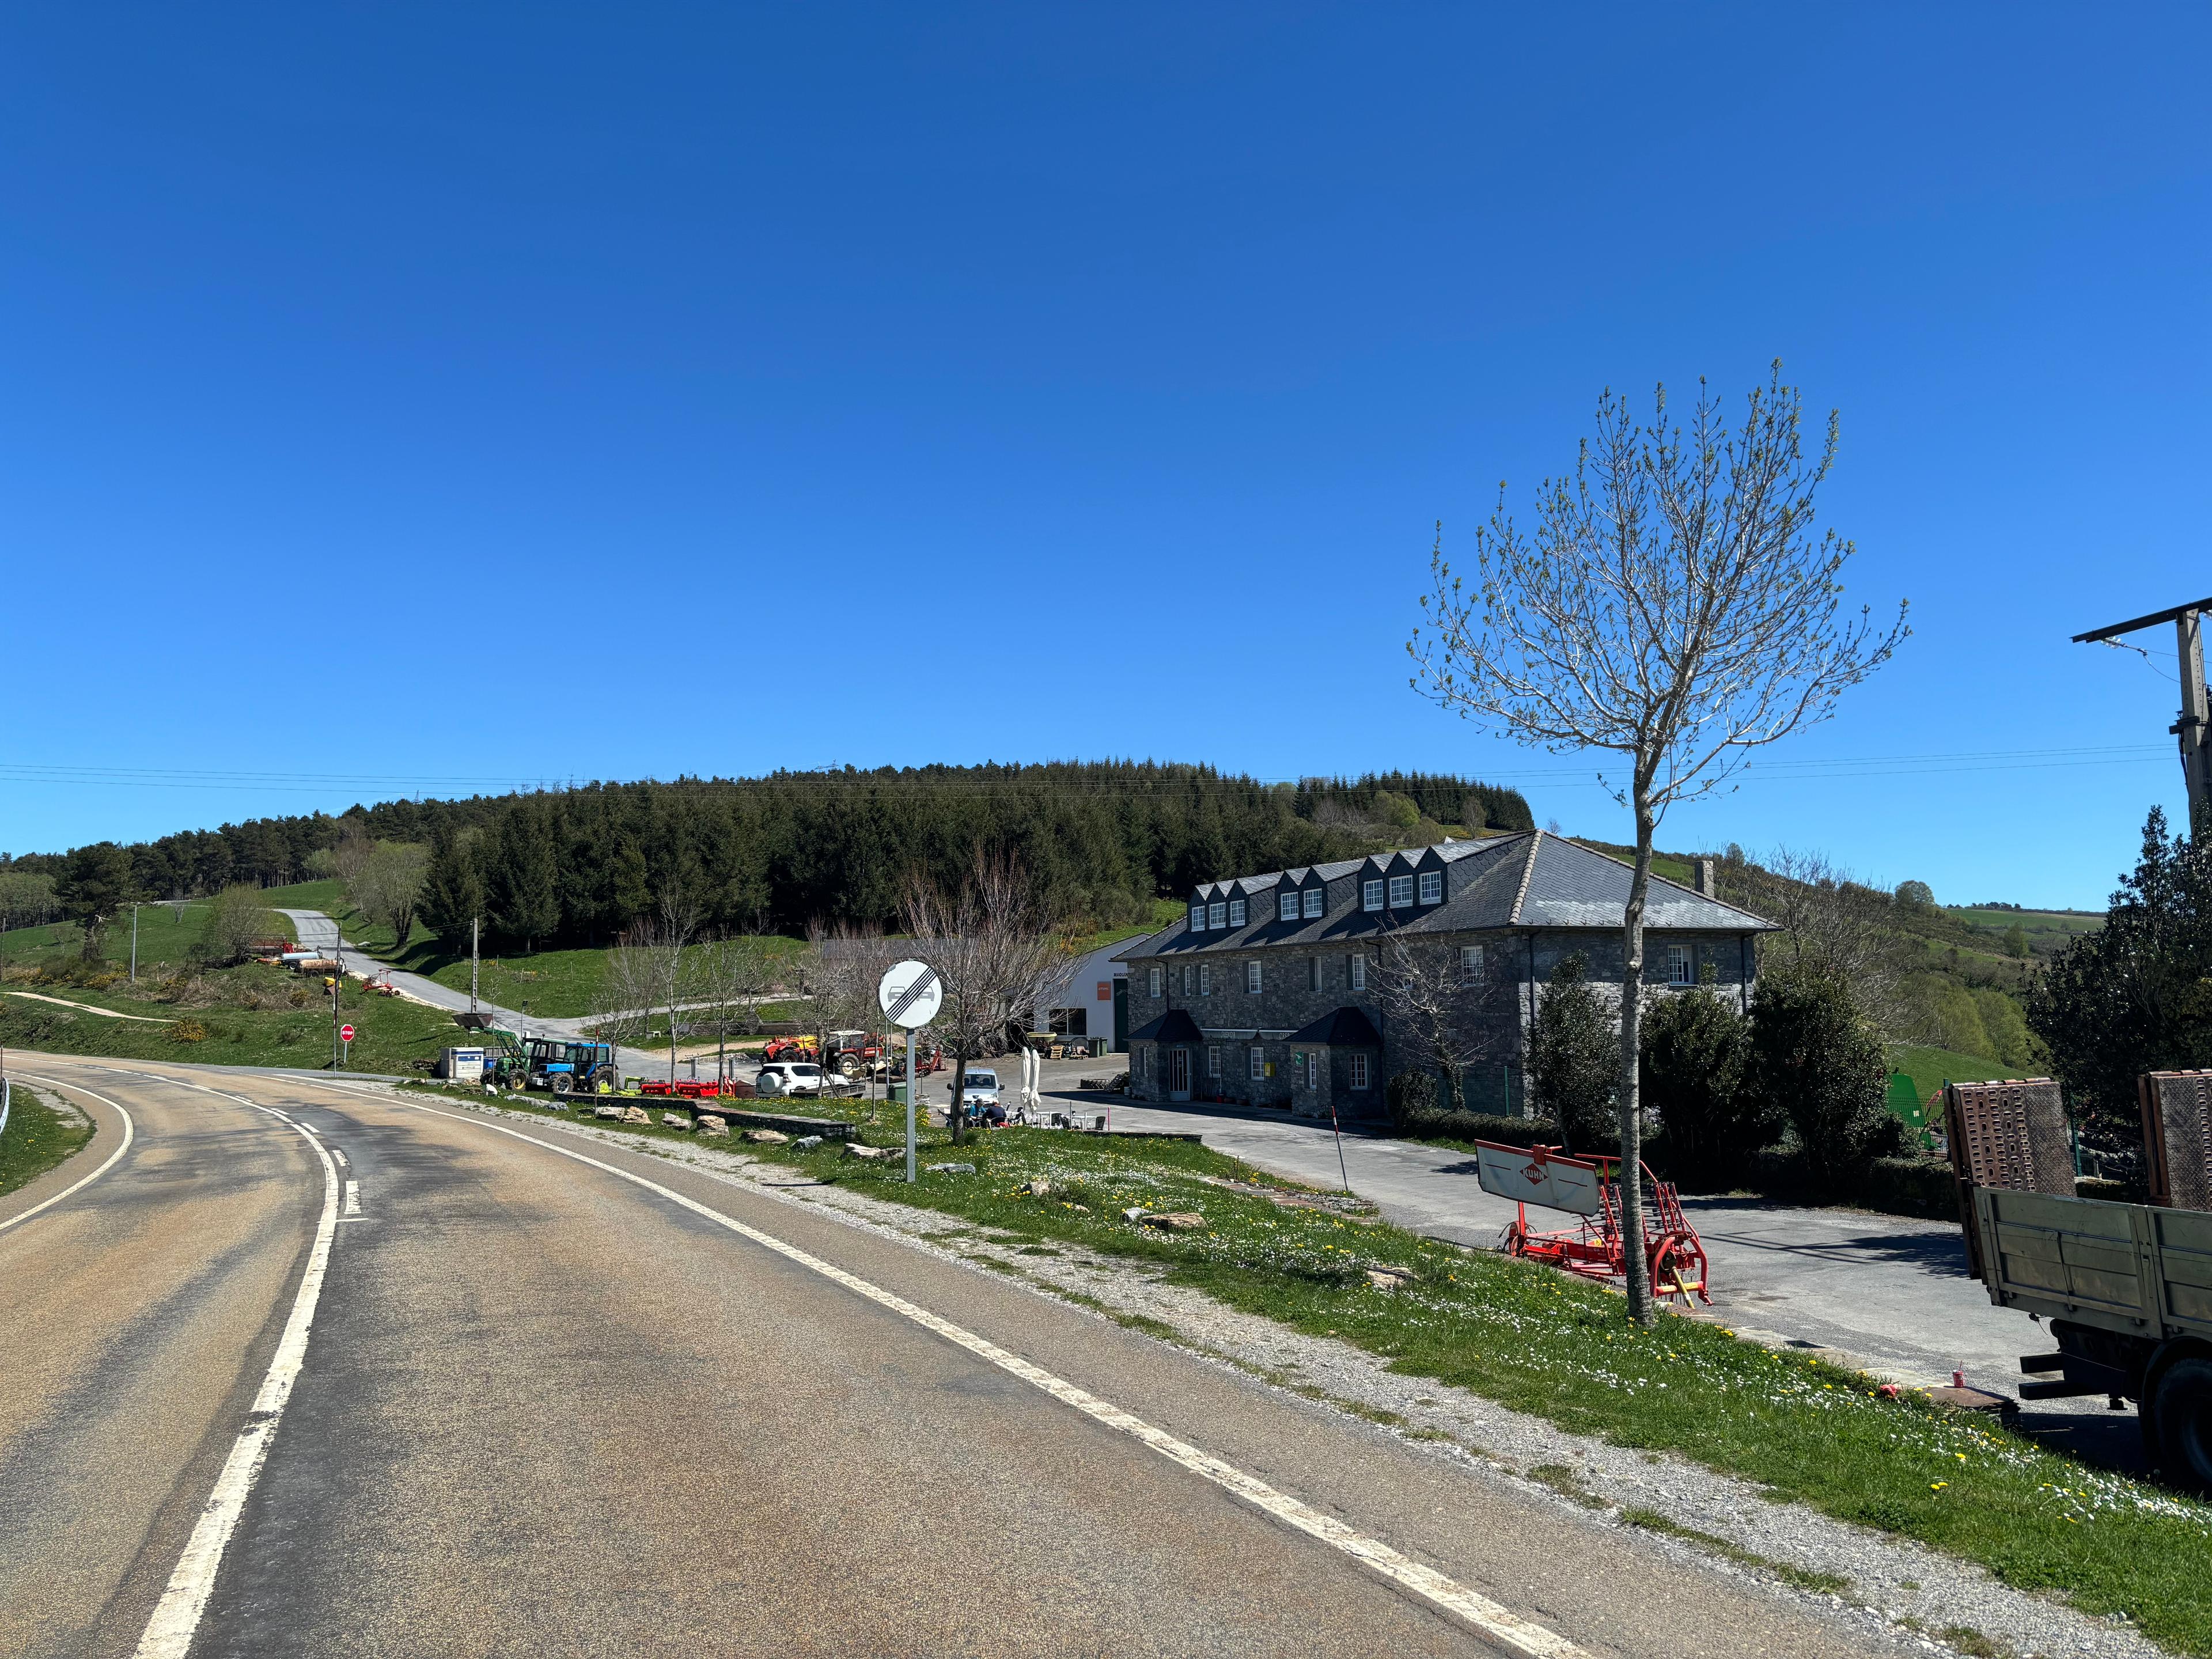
(2125,1289)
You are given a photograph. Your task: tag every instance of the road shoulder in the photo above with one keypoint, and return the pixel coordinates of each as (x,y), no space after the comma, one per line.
(1880,1588)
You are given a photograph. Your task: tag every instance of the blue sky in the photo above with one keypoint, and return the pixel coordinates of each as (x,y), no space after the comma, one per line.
(401,397)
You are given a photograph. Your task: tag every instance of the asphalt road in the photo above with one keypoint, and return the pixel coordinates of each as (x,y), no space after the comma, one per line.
(544,1408)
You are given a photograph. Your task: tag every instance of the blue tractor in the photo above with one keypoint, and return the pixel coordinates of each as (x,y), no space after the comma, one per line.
(563,1066)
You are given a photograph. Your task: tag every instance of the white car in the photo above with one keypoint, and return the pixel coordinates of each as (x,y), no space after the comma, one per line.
(980,1092)
(790,1076)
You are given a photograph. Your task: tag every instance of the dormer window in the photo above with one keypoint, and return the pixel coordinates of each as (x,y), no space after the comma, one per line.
(1401,892)
(1236,913)
(1198,918)
(1217,915)
(1286,906)
(1432,887)
(1314,897)
(1370,895)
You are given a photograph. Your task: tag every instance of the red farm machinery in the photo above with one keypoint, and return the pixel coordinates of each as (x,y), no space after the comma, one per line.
(1594,1246)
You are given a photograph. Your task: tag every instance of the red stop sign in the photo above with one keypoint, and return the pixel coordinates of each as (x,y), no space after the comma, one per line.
(345,1034)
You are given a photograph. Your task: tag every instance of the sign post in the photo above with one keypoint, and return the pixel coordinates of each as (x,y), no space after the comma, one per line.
(910,994)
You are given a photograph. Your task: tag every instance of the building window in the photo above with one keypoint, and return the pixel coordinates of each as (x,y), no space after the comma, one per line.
(1313,973)
(1286,906)
(1205,978)
(1236,913)
(1313,896)
(1360,1071)
(1198,918)
(1188,979)
(1252,976)
(1370,895)
(1259,1064)
(1152,978)
(1679,970)
(1355,968)
(1401,892)
(1213,1060)
(1217,916)
(1432,887)
(1470,964)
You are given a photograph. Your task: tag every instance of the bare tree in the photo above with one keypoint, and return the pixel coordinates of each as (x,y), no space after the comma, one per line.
(995,955)
(845,962)
(1672,605)
(1446,1002)
(646,973)
(728,978)
(1832,923)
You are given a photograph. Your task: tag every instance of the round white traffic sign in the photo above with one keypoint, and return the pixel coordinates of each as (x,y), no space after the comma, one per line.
(910,994)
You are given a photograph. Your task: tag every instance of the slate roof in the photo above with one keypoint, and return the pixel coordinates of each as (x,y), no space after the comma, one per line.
(1346,1026)
(1174,1026)
(1530,880)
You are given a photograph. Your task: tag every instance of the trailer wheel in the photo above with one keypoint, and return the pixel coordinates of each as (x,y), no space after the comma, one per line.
(2183,1416)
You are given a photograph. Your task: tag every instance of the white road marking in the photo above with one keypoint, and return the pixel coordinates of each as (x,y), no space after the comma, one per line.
(339,1155)
(130,1134)
(1499,1623)
(353,1198)
(177,1615)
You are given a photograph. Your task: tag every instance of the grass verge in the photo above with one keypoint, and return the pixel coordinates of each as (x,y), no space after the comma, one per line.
(1560,1349)
(38,1137)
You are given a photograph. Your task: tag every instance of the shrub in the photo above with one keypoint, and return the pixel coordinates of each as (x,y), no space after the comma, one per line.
(187,1030)
(1427,1123)
(1913,1186)
(1815,1056)
(1692,1072)
(1574,1056)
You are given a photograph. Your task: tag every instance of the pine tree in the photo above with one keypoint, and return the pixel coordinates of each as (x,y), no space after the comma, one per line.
(453,888)
(525,898)
(96,885)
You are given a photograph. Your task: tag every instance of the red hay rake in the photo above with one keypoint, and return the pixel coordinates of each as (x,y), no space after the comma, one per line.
(1594,1247)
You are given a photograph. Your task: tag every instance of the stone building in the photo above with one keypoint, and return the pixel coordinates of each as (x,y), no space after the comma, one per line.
(1310,989)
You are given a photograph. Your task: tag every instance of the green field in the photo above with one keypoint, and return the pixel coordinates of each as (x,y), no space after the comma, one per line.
(226,1016)
(2046,930)
(1931,1068)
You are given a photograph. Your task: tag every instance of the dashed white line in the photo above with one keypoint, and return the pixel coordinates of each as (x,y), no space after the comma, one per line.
(353,1198)
(340,1155)
(129,1133)
(1499,1623)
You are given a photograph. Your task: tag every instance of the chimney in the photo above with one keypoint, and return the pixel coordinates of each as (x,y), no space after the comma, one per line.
(1704,883)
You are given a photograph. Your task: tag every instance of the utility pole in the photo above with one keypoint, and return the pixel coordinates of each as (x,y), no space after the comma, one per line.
(474,922)
(2189,727)
(134,944)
